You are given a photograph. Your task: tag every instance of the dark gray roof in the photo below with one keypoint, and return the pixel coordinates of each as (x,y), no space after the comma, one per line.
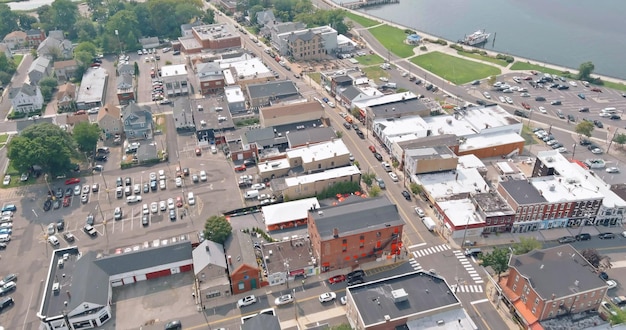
(342,79)
(124,81)
(560,270)
(136,113)
(90,283)
(287,26)
(350,92)
(33,32)
(261,321)
(429,141)
(522,192)
(27,89)
(352,217)
(262,136)
(306,36)
(145,258)
(273,88)
(239,251)
(311,135)
(400,108)
(147,151)
(426,294)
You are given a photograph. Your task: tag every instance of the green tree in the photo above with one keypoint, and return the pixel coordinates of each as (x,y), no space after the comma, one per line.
(342,327)
(85,30)
(63,14)
(208,17)
(26,21)
(86,136)
(368,178)
(492,80)
(498,259)
(584,128)
(375,191)
(339,134)
(620,139)
(43,144)
(217,229)
(185,12)
(526,245)
(47,86)
(416,189)
(136,67)
(8,19)
(585,70)
(355,112)
(127,27)
(252,12)
(7,65)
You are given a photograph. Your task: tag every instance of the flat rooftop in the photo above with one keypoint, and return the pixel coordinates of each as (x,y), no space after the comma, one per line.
(248,68)
(438,152)
(488,117)
(173,70)
(92,86)
(319,151)
(215,31)
(492,204)
(560,189)
(471,161)
(53,303)
(234,94)
(482,141)
(444,185)
(413,126)
(522,192)
(326,175)
(287,255)
(289,211)
(425,294)
(383,99)
(460,212)
(273,165)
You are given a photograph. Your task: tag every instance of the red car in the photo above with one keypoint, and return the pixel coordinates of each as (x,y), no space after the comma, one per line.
(72,181)
(528,78)
(337,279)
(596,89)
(179,201)
(66,201)
(526,106)
(198,152)
(240,168)
(372,149)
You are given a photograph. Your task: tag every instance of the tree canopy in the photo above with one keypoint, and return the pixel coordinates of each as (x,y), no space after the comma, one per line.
(585,70)
(584,128)
(86,136)
(526,245)
(498,259)
(217,229)
(43,144)
(8,19)
(620,139)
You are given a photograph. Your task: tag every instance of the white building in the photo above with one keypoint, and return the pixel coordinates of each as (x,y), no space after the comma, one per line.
(26,99)
(175,79)
(92,91)
(288,214)
(459,213)
(235,99)
(452,184)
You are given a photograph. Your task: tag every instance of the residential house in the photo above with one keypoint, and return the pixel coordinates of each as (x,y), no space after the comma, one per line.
(35,37)
(265,17)
(262,95)
(128,69)
(354,231)
(137,121)
(211,271)
(4,48)
(125,89)
(40,68)
(15,39)
(109,120)
(547,283)
(56,46)
(65,70)
(242,263)
(272,31)
(26,99)
(66,97)
(210,78)
(339,82)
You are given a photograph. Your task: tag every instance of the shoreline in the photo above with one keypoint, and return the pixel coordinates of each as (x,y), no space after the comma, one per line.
(489,52)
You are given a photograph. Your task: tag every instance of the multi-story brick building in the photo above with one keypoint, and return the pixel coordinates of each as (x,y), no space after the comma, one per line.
(355,231)
(210,37)
(309,44)
(544,284)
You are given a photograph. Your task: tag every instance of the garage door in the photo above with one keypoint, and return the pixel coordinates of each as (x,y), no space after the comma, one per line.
(185,268)
(117,283)
(158,274)
(128,280)
(140,277)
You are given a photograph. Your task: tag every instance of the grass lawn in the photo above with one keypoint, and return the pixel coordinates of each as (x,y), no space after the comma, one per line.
(159,122)
(363,21)
(616,86)
(316,76)
(393,39)
(528,135)
(457,70)
(17,59)
(368,60)
(496,61)
(3,139)
(535,67)
(375,72)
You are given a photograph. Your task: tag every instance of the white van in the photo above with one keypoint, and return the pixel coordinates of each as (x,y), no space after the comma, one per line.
(191,199)
(609,110)
(251,194)
(429,223)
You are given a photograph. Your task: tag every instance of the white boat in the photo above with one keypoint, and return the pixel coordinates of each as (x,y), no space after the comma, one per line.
(476,38)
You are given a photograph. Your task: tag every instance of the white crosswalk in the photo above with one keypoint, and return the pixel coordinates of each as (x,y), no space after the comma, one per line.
(415,264)
(466,288)
(431,250)
(468,267)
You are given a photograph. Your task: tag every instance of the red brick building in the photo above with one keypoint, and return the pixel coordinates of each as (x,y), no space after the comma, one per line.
(355,231)
(241,261)
(35,37)
(210,37)
(544,284)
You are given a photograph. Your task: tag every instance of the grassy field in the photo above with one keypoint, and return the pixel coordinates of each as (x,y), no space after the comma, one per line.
(3,139)
(159,122)
(527,66)
(368,60)
(496,61)
(375,72)
(457,70)
(363,21)
(17,59)
(393,39)
(528,135)
(316,76)
(616,86)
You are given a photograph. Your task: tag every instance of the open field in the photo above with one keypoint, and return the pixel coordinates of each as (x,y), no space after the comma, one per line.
(393,40)
(368,60)
(496,61)
(375,72)
(363,21)
(457,70)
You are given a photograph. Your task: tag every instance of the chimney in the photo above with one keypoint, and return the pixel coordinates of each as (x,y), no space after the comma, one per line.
(335,232)
(208,249)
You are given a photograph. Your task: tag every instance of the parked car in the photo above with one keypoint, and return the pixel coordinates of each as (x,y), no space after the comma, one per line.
(567,239)
(337,279)
(406,195)
(246,301)
(328,296)
(69,237)
(283,300)
(393,177)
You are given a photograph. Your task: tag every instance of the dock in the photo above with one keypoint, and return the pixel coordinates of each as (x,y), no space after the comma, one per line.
(366,3)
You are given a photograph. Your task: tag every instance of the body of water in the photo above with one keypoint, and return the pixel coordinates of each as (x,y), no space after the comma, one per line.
(30,4)
(561,32)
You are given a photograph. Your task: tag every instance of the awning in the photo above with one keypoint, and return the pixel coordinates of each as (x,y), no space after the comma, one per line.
(296,272)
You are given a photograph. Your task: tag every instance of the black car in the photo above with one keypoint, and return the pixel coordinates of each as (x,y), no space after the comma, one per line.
(355,280)
(615,117)
(60,224)
(583,237)
(571,118)
(144,220)
(418,81)
(153,185)
(406,195)
(606,236)
(128,181)
(598,123)
(355,126)
(592,146)
(47,205)
(6,303)
(102,158)
(520,113)
(562,87)
(557,102)
(429,87)
(604,276)
(540,98)
(249,162)
(173,325)
(583,110)
(378,156)
(360,134)
(356,273)
(347,125)
(585,142)
(3,246)
(480,102)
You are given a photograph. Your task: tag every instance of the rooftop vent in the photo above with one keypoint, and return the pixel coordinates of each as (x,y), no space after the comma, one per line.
(399,295)
(387,318)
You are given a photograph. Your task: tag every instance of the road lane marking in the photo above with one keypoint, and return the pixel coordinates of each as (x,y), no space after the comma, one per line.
(416,245)
(479,301)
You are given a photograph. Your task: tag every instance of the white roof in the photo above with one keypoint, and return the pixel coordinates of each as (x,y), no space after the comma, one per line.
(415,126)
(228,77)
(247,68)
(560,189)
(273,165)
(92,86)
(443,185)
(506,168)
(319,151)
(173,70)
(460,212)
(475,121)
(385,99)
(328,174)
(482,141)
(341,39)
(587,181)
(470,161)
(234,94)
(482,118)
(289,211)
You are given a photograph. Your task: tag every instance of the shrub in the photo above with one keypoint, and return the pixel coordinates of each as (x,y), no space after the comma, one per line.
(339,188)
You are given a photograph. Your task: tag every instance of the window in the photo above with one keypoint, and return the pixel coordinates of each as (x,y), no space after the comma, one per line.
(345,241)
(516,277)
(534,310)
(536,302)
(514,287)
(241,286)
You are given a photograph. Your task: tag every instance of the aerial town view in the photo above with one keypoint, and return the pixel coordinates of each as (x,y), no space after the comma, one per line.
(308,164)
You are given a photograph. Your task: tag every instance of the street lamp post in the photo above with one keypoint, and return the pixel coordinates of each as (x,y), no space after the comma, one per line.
(117,34)
(573,150)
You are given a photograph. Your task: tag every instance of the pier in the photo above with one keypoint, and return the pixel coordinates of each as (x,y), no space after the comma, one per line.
(366,3)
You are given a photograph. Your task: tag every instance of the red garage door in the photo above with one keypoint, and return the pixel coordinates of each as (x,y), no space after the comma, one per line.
(161,273)
(186,268)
